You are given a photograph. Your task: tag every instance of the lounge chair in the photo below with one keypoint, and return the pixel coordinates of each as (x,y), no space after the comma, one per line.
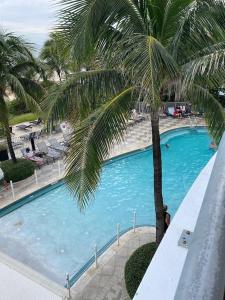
(36,122)
(66,137)
(136,117)
(170,111)
(24,127)
(162,113)
(32,157)
(48,152)
(130,122)
(57,146)
(16,143)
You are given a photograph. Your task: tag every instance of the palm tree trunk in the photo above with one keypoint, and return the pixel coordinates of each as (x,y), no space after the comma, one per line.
(5,124)
(157,164)
(9,141)
(59,75)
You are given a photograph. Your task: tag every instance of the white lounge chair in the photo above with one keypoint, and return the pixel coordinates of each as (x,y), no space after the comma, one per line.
(171,111)
(24,126)
(48,152)
(57,146)
(136,117)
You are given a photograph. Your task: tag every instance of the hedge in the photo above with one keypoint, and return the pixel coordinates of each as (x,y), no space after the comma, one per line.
(17,171)
(136,267)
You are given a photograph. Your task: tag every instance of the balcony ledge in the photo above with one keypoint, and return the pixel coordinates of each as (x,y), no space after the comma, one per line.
(162,277)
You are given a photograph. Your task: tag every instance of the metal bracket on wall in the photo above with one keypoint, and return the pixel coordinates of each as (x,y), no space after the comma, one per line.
(185,239)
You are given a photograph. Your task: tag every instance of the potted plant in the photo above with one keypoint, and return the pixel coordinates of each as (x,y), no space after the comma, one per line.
(3,152)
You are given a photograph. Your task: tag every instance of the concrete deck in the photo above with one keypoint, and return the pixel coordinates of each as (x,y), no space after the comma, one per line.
(106,282)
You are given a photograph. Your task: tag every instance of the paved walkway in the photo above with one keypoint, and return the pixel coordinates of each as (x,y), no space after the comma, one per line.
(107,281)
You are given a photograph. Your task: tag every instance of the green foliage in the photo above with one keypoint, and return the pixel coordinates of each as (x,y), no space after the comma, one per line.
(55,57)
(18,74)
(100,128)
(1,132)
(17,171)
(17,107)
(148,47)
(136,267)
(22,118)
(3,146)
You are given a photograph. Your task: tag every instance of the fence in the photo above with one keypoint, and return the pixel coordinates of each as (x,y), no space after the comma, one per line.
(40,178)
(97,252)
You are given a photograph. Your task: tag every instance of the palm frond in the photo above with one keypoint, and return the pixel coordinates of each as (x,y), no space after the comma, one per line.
(82,21)
(91,142)
(199,25)
(147,62)
(25,66)
(82,93)
(214,113)
(206,65)
(17,87)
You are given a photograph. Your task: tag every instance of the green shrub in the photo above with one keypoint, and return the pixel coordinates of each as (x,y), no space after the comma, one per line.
(136,267)
(17,171)
(3,147)
(17,107)
(2,133)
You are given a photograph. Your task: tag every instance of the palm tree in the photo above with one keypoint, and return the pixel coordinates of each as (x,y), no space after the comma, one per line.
(146,47)
(17,64)
(55,57)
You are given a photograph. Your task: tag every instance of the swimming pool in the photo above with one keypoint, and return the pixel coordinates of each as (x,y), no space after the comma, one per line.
(51,235)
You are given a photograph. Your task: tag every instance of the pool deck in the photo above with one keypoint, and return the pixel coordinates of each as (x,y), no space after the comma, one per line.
(105,282)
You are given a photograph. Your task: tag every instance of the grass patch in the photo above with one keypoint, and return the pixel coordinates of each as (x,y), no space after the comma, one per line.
(22,118)
(136,267)
(17,171)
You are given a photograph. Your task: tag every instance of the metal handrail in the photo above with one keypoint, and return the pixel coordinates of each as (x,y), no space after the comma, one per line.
(203,275)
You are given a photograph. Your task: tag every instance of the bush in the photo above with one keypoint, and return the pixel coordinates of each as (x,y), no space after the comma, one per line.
(3,147)
(2,133)
(136,267)
(17,107)
(17,171)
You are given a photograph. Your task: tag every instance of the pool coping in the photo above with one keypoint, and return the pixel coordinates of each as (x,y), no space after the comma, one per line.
(114,251)
(76,276)
(29,198)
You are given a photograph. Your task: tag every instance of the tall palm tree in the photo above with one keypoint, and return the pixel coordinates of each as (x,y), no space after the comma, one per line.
(55,57)
(16,66)
(146,47)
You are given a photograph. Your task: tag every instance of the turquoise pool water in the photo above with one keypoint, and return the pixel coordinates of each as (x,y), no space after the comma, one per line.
(53,237)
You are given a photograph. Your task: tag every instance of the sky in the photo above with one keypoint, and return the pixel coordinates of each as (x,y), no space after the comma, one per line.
(32,19)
